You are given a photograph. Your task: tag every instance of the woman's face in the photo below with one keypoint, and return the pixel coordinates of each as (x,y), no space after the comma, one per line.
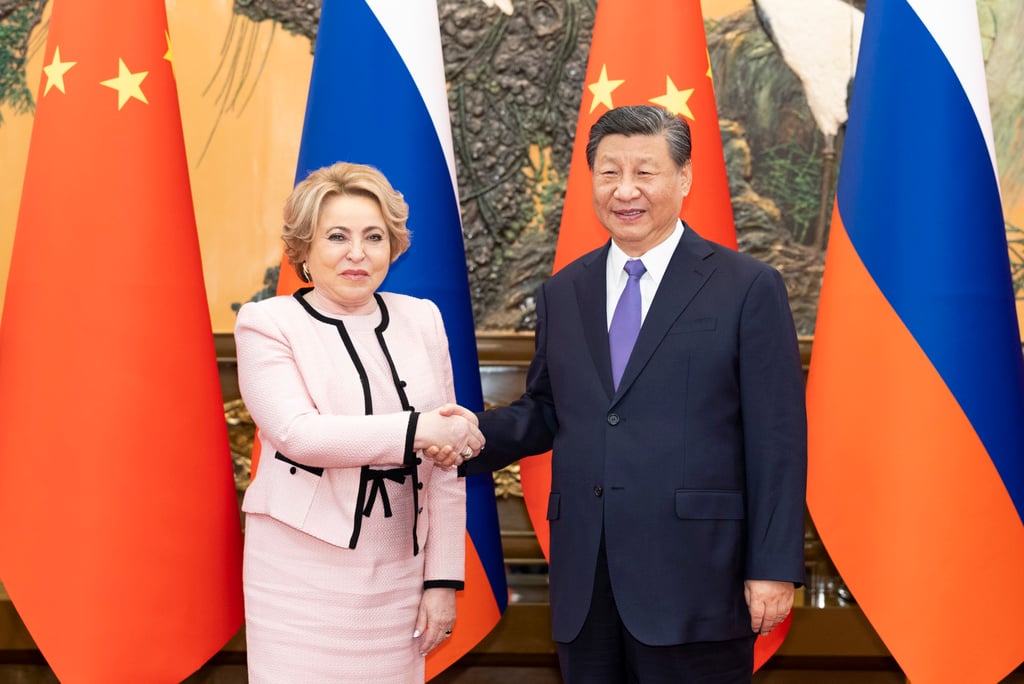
(350,253)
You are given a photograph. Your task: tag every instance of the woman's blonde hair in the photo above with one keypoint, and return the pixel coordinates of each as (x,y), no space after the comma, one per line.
(302,208)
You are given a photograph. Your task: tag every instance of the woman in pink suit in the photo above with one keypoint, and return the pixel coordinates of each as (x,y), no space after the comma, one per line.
(354,541)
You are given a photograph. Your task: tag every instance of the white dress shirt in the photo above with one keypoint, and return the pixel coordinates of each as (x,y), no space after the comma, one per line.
(655,261)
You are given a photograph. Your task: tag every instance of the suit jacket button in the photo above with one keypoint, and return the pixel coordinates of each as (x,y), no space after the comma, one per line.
(613,418)
(598,491)
(292,470)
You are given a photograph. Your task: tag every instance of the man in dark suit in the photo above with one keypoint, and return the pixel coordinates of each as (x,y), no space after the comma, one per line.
(678,462)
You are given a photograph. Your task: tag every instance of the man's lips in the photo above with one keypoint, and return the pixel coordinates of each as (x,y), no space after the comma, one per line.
(628,213)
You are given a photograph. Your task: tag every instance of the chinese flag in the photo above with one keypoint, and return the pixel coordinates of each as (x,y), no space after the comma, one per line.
(672,70)
(120,543)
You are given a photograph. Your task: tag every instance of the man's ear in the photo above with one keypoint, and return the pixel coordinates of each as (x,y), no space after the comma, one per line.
(686,178)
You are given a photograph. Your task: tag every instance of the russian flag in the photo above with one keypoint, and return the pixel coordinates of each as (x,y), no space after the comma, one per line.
(916,389)
(377,96)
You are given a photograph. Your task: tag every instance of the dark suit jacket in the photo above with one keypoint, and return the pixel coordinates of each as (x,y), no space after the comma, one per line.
(695,469)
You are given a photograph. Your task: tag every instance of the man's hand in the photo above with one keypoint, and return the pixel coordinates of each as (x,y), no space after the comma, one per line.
(769,603)
(456,410)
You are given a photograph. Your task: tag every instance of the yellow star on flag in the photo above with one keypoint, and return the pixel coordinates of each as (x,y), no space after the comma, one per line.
(55,71)
(169,55)
(127,84)
(675,100)
(602,90)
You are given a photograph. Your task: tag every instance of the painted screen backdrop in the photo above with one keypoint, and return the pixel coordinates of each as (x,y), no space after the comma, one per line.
(240,125)
(916,386)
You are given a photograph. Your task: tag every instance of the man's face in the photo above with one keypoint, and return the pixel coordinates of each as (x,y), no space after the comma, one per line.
(637,190)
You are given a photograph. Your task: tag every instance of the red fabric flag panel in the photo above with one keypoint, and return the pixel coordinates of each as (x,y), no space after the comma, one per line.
(120,543)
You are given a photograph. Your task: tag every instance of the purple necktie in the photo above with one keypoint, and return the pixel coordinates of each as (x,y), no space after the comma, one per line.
(625,325)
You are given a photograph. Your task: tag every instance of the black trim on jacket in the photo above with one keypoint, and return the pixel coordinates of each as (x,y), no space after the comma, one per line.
(373,478)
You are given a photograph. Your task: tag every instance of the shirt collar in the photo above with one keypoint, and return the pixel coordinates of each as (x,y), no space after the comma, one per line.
(656,259)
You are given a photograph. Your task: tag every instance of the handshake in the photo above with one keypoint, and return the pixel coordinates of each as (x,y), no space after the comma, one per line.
(448,435)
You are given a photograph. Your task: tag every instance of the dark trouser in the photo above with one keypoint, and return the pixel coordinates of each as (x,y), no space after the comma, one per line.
(606,653)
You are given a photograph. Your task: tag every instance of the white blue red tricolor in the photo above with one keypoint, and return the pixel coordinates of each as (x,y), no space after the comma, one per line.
(377,96)
(916,387)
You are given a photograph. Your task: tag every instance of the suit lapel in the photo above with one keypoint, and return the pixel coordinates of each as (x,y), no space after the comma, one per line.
(590,298)
(687,272)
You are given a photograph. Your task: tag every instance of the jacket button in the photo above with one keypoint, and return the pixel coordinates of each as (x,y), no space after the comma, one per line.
(613,418)
(419,485)
(598,491)
(419,460)
(292,470)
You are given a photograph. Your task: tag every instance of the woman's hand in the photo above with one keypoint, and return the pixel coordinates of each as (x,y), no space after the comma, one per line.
(436,618)
(448,435)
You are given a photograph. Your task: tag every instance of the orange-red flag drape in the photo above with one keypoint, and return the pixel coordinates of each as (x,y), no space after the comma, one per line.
(672,70)
(120,543)
(288,281)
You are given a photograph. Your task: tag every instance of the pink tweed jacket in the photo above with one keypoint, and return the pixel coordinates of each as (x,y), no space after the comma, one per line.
(311,397)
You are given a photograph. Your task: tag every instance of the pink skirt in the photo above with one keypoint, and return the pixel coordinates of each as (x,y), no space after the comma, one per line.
(315,612)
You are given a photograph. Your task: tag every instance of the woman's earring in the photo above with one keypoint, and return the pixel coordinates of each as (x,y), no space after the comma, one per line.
(305,271)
